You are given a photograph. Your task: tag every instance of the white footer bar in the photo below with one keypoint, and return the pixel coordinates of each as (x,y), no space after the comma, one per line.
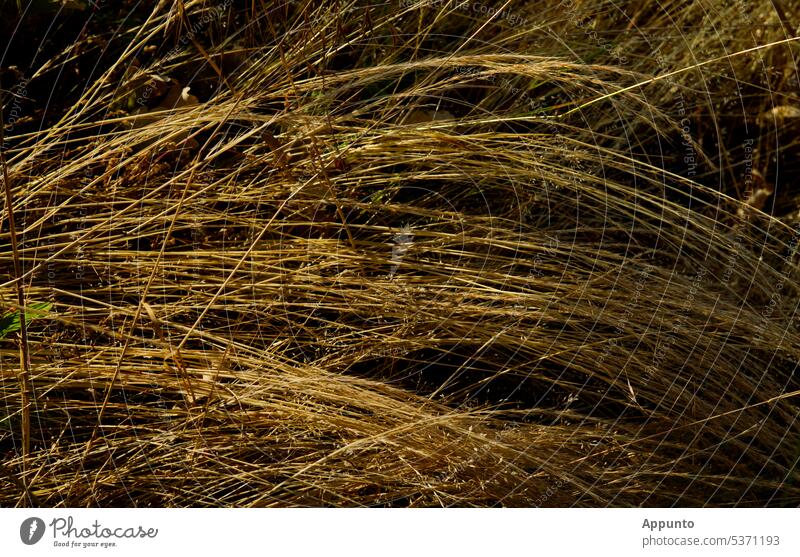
(402,532)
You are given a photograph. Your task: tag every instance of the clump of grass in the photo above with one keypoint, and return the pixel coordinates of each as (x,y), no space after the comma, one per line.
(576,320)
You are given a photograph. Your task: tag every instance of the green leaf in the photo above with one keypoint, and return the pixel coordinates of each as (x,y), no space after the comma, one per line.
(378,197)
(10,322)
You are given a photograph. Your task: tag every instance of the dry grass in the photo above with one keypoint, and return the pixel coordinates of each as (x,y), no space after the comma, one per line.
(582,317)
